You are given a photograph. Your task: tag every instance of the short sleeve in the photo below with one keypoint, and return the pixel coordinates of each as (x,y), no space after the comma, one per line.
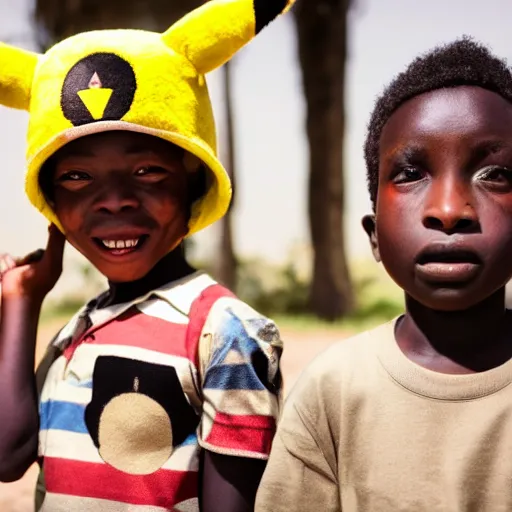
(239,354)
(300,474)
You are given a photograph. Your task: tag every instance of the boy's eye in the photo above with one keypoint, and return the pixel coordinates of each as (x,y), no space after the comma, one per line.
(152,173)
(408,174)
(74,180)
(74,176)
(496,177)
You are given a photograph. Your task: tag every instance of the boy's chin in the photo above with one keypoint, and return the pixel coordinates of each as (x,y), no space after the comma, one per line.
(125,273)
(451,300)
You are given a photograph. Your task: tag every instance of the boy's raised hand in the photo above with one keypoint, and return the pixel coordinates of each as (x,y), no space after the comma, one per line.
(37,273)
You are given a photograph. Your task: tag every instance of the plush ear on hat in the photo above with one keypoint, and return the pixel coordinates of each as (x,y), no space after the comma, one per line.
(210,35)
(17,69)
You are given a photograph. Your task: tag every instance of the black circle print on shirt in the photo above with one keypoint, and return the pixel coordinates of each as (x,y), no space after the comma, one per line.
(100,87)
(138,413)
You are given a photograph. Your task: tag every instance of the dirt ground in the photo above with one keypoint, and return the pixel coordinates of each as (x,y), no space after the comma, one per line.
(300,348)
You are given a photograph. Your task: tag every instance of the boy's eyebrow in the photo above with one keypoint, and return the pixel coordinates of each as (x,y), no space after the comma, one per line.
(137,149)
(485,148)
(406,152)
(81,152)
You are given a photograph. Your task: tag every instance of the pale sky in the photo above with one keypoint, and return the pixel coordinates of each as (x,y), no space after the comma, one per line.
(270,215)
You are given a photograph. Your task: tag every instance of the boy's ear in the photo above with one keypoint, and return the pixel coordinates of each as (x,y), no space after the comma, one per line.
(369,226)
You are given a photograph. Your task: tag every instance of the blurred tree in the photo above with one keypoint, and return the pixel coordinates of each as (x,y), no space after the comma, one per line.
(322,43)
(58,19)
(227,266)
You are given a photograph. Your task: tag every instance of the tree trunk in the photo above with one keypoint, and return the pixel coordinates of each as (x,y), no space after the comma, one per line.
(227,264)
(322,38)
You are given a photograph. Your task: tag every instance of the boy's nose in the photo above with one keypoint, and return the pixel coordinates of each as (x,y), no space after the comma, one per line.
(449,208)
(115,198)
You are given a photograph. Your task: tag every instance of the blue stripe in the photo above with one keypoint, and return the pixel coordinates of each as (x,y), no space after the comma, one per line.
(62,416)
(233,376)
(191,439)
(84,384)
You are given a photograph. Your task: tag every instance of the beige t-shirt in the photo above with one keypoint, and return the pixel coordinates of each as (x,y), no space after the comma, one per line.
(368,430)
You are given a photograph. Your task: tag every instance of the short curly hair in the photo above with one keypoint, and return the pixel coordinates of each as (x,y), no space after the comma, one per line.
(462,62)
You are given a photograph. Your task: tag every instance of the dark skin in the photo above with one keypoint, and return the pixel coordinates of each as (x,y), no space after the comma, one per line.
(443,226)
(108,187)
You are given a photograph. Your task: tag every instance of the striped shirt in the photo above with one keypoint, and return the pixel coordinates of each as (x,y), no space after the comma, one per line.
(140,387)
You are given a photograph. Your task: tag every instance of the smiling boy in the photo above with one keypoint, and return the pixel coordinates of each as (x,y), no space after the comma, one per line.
(163,392)
(416,415)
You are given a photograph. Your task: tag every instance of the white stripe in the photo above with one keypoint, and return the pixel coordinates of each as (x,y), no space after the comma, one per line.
(64,503)
(183,295)
(242,402)
(80,447)
(66,392)
(71,446)
(159,308)
(187,506)
(41,447)
(53,377)
(184,458)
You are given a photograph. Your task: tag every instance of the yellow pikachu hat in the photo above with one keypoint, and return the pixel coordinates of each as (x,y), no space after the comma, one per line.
(137,81)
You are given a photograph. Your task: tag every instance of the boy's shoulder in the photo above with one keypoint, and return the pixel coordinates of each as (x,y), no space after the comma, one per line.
(201,295)
(219,321)
(348,368)
(355,353)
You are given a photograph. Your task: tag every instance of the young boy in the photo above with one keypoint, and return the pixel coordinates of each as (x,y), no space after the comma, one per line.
(416,415)
(163,392)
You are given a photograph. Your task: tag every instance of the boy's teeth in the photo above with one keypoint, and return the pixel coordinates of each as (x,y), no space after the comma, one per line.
(120,244)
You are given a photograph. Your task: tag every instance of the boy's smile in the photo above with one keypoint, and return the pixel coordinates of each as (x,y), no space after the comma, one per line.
(443,223)
(122,199)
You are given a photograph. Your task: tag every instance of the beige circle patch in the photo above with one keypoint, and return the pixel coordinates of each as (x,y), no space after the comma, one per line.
(135,434)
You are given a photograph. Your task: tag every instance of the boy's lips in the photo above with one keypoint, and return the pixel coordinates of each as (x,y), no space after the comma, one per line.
(448,263)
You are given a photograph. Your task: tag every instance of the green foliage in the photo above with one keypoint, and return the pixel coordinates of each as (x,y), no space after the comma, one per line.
(283,293)
(64,308)
(272,290)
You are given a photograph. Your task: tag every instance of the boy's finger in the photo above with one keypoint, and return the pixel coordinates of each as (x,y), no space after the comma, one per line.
(32,257)
(56,242)
(7,262)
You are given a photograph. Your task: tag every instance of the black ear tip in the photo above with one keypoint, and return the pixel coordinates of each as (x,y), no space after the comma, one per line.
(266,11)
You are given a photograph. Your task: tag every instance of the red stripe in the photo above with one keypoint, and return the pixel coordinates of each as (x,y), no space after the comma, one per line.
(165,488)
(135,329)
(248,433)
(199,313)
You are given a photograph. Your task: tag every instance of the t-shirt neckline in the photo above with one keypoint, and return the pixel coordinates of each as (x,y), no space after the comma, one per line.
(440,386)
